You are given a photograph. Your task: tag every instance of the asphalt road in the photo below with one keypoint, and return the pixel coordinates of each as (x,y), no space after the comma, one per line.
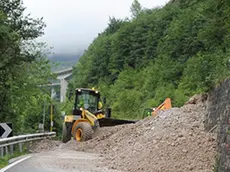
(59,161)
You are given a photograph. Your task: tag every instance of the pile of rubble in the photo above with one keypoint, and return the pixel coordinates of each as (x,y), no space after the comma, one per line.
(175,140)
(45,145)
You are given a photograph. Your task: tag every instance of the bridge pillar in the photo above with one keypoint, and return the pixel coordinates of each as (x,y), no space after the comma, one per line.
(53,93)
(64,86)
(63,78)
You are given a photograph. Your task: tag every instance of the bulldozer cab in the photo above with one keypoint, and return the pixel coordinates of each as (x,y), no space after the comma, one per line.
(88,99)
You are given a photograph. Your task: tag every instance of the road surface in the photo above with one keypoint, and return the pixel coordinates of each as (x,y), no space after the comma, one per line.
(61,161)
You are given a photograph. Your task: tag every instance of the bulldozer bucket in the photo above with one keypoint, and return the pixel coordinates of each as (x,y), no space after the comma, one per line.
(105,122)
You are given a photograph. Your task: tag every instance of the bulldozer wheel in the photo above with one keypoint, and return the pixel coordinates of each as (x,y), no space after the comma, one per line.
(66,132)
(83,131)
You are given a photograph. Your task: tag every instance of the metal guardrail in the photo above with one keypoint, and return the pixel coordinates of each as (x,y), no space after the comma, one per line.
(4,143)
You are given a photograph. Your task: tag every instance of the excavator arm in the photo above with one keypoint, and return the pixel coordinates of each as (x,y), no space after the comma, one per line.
(91,118)
(165,105)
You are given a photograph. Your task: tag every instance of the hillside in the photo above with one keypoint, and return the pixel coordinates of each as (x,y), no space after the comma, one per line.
(174,51)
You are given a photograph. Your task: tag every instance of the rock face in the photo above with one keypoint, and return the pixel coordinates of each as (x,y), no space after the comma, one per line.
(219,115)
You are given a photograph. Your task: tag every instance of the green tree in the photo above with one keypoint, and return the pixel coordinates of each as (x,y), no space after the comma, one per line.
(135,9)
(23,65)
(113,25)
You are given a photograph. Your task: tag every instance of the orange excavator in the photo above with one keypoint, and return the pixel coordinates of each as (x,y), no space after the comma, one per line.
(153,111)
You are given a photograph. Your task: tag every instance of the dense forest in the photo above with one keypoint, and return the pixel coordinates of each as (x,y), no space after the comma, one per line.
(24,68)
(173,51)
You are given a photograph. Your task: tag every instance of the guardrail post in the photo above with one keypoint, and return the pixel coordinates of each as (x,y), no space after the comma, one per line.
(2,152)
(11,149)
(6,149)
(20,147)
(27,146)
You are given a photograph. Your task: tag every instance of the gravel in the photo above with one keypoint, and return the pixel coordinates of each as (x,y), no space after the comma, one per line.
(175,140)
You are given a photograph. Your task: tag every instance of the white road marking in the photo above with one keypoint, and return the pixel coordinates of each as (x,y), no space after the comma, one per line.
(15,163)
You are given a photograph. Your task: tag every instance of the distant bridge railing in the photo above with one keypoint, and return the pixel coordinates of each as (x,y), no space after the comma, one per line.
(7,143)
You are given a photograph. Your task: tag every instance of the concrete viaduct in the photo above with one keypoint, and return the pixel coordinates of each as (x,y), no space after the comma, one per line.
(60,85)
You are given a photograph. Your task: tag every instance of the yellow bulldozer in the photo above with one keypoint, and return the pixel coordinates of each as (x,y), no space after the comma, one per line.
(87,116)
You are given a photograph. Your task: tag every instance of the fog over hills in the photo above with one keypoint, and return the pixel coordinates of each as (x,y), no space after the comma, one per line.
(63,60)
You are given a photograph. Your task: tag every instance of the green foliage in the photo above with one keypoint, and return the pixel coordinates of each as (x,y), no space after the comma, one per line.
(127,94)
(174,51)
(203,71)
(68,105)
(135,9)
(23,67)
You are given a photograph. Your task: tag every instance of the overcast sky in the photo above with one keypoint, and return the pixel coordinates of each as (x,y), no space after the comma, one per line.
(73,24)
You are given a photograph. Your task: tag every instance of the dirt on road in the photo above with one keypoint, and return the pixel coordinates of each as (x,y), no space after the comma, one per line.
(175,140)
